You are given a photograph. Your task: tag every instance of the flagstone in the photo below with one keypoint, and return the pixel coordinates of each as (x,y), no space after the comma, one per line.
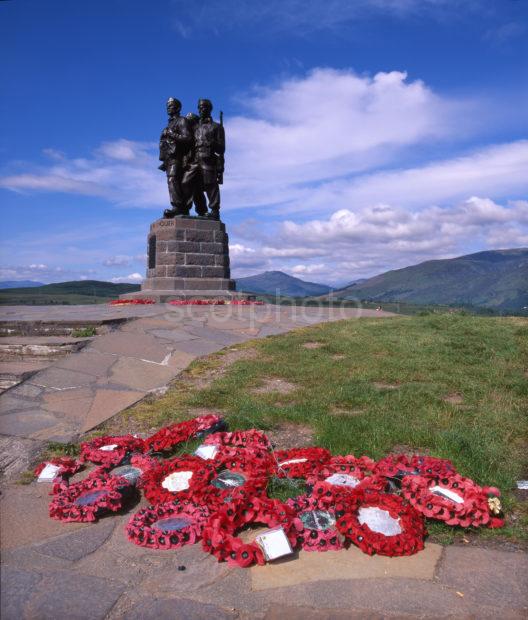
(349,564)
(15,586)
(107,403)
(89,362)
(61,379)
(8,404)
(140,346)
(199,347)
(25,517)
(139,375)
(25,423)
(76,545)
(74,404)
(177,609)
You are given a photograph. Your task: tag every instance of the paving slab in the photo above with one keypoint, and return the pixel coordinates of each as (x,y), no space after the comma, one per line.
(487,577)
(26,423)
(177,609)
(9,403)
(15,586)
(90,362)
(107,403)
(65,594)
(57,378)
(199,347)
(141,346)
(17,454)
(25,519)
(73,404)
(78,544)
(139,375)
(351,564)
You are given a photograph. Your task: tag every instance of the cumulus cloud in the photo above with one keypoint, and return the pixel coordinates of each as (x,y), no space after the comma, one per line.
(354,244)
(133,278)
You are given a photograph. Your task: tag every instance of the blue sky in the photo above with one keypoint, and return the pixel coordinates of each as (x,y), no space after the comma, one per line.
(362,135)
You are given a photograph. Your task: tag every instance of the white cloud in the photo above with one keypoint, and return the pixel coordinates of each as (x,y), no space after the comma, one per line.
(133,278)
(119,260)
(354,244)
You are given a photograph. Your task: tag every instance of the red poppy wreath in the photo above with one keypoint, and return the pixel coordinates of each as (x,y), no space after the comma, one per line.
(88,499)
(398,465)
(219,535)
(251,438)
(236,468)
(108,451)
(315,523)
(301,462)
(168,526)
(180,478)
(383,524)
(454,499)
(58,467)
(170,436)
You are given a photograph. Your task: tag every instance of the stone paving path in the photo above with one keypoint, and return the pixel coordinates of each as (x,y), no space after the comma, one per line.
(61,571)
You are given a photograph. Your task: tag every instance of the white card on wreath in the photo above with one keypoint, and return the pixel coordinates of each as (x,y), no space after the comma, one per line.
(49,473)
(274,543)
(206,452)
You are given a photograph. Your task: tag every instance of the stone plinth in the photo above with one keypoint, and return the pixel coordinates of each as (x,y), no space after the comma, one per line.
(188,257)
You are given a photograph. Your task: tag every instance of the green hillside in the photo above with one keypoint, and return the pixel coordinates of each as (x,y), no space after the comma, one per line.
(66,293)
(279,283)
(496,279)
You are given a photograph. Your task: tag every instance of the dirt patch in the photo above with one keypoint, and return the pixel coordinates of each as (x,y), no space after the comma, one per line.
(380,385)
(201,376)
(312,345)
(346,413)
(338,356)
(275,385)
(401,448)
(454,398)
(288,435)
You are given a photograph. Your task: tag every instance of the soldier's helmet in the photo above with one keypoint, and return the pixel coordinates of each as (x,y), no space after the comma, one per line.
(172,101)
(205,102)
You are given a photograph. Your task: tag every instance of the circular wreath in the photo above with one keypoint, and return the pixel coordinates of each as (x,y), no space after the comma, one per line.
(169,436)
(243,439)
(88,499)
(396,466)
(236,468)
(219,535)
(131,472)
(315,523)
(108,451)
(301,462)
(453,499)
(168,526)
(180,478)
(66,466)
(383,524)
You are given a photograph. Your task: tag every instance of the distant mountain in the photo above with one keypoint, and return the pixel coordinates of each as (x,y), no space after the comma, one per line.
(19,284)
(495,279)
(279,283)
(81,292)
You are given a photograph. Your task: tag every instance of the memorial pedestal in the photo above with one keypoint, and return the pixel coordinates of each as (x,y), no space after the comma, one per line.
(188,258)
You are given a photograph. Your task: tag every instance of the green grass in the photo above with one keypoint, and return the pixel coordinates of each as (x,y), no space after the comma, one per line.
(85,332)
(421,361)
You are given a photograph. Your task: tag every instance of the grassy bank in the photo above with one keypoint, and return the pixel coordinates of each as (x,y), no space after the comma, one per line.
(451,386)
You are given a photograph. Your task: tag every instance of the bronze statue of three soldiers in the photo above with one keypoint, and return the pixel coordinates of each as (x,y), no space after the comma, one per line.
(192,154)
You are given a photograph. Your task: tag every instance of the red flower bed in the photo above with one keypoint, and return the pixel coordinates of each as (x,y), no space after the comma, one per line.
(170,436)
(168,526)
(67,466)
(197,302)
(301,462)
(453,499)
(180,478)
(219,535)
(132,302)
(400,529)
(108,451)
(87,500)
(315,523)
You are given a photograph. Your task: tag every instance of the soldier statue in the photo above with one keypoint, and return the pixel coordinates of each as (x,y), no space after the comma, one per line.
(205,169)
(175,143)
